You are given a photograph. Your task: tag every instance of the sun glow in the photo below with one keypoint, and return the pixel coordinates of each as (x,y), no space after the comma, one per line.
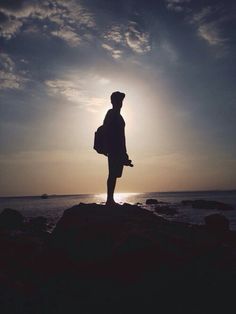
(124,197)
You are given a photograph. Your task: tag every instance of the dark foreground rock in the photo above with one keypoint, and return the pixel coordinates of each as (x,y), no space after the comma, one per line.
(119,259)
(217,223)
(11,219)
(166,210)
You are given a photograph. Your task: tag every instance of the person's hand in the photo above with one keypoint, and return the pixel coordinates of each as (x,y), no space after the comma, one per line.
(127,161)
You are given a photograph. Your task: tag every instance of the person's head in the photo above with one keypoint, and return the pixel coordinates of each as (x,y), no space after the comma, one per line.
(117,99)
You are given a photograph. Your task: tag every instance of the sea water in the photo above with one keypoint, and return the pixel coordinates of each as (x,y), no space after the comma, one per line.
(53,207)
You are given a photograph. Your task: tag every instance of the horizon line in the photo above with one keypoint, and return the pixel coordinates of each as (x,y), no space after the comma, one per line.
(76,194)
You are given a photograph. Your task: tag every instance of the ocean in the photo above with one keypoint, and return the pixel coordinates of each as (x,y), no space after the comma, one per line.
(53,207)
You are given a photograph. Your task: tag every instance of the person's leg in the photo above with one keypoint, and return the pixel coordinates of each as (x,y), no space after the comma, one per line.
(115,168)
(111,184)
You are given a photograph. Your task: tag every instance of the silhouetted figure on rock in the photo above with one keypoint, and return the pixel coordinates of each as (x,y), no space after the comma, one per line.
(116,147)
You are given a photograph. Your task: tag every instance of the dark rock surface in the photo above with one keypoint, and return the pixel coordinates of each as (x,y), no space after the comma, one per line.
(10,219)
(120,259)
(151,201)
(217,223)
(204,204)
(166,210)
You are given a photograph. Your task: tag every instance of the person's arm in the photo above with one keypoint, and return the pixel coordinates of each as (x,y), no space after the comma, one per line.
(124,149)
(126,160)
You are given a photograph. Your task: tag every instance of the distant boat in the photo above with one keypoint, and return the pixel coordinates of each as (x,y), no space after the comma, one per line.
(44,196)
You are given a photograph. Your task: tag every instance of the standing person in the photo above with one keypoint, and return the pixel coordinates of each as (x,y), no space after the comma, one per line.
(116,147)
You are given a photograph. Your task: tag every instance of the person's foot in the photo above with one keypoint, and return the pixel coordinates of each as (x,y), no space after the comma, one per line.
(111,203)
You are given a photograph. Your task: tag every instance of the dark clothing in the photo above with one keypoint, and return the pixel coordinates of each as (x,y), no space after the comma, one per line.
(115,167)
(116,147)
(115,130)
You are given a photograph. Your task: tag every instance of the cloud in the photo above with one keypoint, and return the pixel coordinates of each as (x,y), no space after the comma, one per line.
(9,77)
(137,40)
(17,16)
(65,19)
(114,34)
(9,28)
(77,91)
(130,36)
(211,33)
(68,34)
(202,15)
(71,22)
(176,5)
(67,88)
(75,13)
(209,25)
(115,53)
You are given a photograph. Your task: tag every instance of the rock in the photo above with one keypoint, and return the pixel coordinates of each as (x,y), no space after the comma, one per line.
(11,219)
(37,225)
(216,223)
(151,201)
(166,210)
(204,204)
(91,231)
(187,202)
(120,259)
(44,196)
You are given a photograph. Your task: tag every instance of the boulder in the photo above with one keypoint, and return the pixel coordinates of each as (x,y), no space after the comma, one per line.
(115,242)
(151,201)
(11,219)
(97,231)
(216,223)
(116,259)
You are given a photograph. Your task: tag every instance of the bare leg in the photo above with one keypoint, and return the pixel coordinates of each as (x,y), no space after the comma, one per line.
(111,184)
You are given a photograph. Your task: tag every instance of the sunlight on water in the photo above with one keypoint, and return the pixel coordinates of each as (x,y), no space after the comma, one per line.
(119,197)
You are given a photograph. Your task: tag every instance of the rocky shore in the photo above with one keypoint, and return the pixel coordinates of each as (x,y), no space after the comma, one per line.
(121,259)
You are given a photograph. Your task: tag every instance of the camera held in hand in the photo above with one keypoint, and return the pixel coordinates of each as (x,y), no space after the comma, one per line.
(128,162)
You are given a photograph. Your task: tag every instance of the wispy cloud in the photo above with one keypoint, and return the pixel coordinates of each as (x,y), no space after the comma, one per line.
(209,22)
(115,53)
(10,78)
(10,27)
(114,34)
(67,88)
(176,5)
(76,91)
(130,36)
(68,34)
(64,18)
(212,34)
(201,15)
(136,39)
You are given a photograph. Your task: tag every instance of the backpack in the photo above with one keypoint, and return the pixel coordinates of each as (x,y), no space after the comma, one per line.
(100,141)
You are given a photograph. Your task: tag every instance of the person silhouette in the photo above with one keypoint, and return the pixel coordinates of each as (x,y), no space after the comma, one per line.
(114,125)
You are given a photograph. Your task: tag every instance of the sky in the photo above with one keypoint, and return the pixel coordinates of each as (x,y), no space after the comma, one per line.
(61,60)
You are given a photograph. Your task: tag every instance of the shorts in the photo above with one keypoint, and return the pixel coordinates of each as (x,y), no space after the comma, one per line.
(115,166)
